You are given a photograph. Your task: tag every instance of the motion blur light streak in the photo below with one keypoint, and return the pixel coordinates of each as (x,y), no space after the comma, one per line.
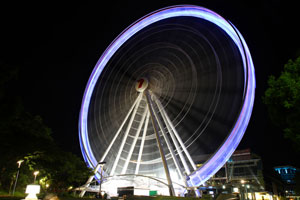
(230,144)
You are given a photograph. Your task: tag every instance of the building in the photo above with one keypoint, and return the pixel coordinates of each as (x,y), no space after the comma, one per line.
(240,178)
(287,175)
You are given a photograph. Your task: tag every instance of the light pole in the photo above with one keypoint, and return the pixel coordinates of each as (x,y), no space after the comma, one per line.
(247,187)
(35,174)
(244,188)
(101,176)
(19,165)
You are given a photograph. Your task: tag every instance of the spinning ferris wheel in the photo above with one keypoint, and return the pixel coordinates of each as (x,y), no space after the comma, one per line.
(168,101)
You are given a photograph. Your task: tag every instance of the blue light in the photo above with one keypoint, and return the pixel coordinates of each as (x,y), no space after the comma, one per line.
(287,173)
(225,151)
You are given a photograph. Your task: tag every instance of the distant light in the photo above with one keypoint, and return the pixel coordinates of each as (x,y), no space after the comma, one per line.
(248,186)
(36,173)
(235,189)
(211,192)
(242,181)
(224,187)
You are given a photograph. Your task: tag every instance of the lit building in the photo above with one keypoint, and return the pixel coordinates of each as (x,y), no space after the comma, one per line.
(287,175)
(241,177)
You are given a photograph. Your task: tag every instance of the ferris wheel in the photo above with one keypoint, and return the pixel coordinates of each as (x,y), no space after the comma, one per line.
(168,101)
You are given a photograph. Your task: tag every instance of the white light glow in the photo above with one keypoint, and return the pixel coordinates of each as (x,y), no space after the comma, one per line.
(32,190)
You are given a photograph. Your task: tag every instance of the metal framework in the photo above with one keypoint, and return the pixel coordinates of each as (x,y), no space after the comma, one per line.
(160,120)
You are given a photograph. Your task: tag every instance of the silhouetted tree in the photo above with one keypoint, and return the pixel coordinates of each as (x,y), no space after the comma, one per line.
(283,101)
(25,136)
(58,169)
(20,132)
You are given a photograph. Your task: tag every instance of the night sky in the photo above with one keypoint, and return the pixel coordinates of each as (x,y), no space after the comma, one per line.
(57,46)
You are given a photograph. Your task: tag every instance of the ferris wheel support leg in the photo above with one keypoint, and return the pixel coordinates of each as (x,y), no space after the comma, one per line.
(134,142)
(173,138)
(162,154)
(125,136)
(179,139)
(169,146)
(120,128)
(87,184)
(142,144)
(90,179)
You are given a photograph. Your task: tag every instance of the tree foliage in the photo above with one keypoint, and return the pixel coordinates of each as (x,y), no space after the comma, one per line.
(21,133)
(25,136)
(283,101)
(58,169)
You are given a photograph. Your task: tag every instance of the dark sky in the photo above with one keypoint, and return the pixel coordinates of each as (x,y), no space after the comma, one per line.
(57,46)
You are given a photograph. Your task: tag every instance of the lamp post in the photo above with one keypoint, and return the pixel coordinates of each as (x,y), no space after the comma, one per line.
(244,191)
(35,174)
(247,187)
(19,166)
(101,176)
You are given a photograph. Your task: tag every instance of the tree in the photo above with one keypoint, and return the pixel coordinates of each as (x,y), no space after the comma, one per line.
(58,169)
(25,136)
(21,133)
(283,101)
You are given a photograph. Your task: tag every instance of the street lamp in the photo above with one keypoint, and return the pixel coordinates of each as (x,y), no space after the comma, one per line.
(247,187)
(19,165)
(101,175)
(35,174)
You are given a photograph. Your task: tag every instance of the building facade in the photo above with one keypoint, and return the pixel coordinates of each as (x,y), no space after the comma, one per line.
(287,175)
(240,178)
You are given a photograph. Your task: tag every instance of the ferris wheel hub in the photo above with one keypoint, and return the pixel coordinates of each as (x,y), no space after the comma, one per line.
(141,84)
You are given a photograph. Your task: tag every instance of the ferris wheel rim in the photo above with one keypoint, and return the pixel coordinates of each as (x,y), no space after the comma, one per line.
(249,85)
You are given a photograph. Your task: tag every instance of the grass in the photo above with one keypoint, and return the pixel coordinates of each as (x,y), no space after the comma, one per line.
(17,195)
